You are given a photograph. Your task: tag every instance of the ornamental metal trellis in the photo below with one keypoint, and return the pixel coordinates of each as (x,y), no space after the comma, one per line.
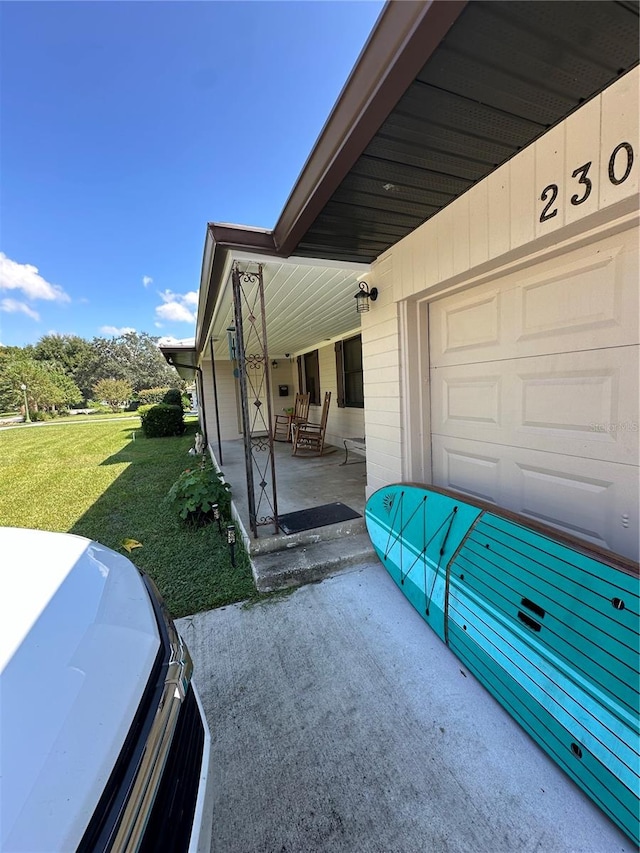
(255,395)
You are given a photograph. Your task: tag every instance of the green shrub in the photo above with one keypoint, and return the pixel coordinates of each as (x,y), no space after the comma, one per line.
(148,396)
(196,490)
(173,397)
(97,407)
(161,420)
(40,416)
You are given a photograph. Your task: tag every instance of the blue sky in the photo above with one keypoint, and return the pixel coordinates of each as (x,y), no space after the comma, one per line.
(127,126)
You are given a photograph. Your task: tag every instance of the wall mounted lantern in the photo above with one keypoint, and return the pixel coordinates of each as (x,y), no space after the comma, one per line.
(363,296)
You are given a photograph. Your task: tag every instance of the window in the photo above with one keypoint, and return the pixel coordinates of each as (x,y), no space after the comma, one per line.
(309,376)
(349,373)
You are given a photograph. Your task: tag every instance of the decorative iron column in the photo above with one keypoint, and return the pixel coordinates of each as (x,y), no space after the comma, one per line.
(255,396)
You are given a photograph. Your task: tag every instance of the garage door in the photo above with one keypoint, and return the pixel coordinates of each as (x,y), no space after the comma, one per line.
(534,392)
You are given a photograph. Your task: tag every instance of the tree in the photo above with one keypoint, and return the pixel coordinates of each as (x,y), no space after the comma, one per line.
(66,351)
(47,386)
(134,357)
(141,351)
(115,392)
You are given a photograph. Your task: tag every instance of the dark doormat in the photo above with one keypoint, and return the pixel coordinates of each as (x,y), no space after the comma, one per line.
(317,516)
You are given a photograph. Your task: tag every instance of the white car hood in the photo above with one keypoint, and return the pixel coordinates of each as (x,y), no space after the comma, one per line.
(78,640)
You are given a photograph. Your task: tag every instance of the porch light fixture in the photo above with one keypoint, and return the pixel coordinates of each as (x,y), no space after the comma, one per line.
(363,296)
(215,509)
(274,364)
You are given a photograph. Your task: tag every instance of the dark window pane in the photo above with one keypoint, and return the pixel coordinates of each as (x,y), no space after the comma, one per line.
(354,393)
(312,377)
(352,372)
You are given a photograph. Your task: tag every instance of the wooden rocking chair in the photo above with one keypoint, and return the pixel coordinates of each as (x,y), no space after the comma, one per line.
(308,436)
(284,424)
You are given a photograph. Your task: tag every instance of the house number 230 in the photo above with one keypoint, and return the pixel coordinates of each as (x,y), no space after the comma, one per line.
(620,164)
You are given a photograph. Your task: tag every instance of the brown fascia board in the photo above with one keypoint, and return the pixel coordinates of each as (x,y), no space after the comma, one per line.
(405,36)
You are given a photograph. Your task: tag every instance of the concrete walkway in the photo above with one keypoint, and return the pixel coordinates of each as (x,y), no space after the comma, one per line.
(341,723)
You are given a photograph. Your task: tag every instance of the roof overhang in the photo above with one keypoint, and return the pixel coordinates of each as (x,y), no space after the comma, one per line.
(405,35)
(443,93)
(183,356)
(389,61)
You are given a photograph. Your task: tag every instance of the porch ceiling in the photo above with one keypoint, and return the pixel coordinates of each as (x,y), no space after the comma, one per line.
(502,74)
(306,302)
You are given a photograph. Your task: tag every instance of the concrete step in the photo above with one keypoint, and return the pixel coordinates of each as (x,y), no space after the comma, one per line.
(266,544)
(309,562)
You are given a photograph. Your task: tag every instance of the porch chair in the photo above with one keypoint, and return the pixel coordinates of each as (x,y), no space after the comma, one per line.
(308,436)
(284,424)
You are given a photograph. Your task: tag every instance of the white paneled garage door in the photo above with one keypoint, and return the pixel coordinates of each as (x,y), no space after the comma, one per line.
(534,392)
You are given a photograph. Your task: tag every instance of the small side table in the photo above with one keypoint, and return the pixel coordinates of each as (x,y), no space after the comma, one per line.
(355,445)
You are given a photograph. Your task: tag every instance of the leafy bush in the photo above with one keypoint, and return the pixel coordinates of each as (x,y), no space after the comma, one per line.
(196,490)
(173,397)
(40,415)
(161,420)
(115,392)
(152,395)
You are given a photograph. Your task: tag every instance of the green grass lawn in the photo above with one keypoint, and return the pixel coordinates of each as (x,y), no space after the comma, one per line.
(98,481)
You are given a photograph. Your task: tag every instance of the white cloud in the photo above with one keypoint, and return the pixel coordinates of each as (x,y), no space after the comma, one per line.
(115,331)
(158,325)
(25,277)
(12,306)
(174,311)
(147,280)
(176,307)
(191,298)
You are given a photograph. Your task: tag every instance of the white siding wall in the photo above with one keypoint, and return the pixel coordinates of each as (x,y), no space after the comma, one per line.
(382,385)
(284,374)
(494,224)
(227,407)
(343,422)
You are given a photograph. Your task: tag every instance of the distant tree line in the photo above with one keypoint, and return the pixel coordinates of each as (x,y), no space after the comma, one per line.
(61,371)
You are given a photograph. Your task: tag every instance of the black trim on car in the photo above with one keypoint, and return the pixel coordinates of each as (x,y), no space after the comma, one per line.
(103,826)
(171,820)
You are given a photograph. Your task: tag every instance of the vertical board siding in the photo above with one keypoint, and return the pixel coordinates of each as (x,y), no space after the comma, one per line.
(498,216)
(522,200)
(502,213)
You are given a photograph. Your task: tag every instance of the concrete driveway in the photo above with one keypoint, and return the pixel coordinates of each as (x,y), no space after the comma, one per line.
(341,723)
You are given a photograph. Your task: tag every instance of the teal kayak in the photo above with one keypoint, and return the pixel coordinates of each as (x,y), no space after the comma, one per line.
(548,624)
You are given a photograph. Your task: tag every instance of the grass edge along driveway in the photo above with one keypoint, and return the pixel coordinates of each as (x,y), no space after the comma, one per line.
(107,482)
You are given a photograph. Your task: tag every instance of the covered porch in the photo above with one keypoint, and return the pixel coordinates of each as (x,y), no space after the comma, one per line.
(302,483)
